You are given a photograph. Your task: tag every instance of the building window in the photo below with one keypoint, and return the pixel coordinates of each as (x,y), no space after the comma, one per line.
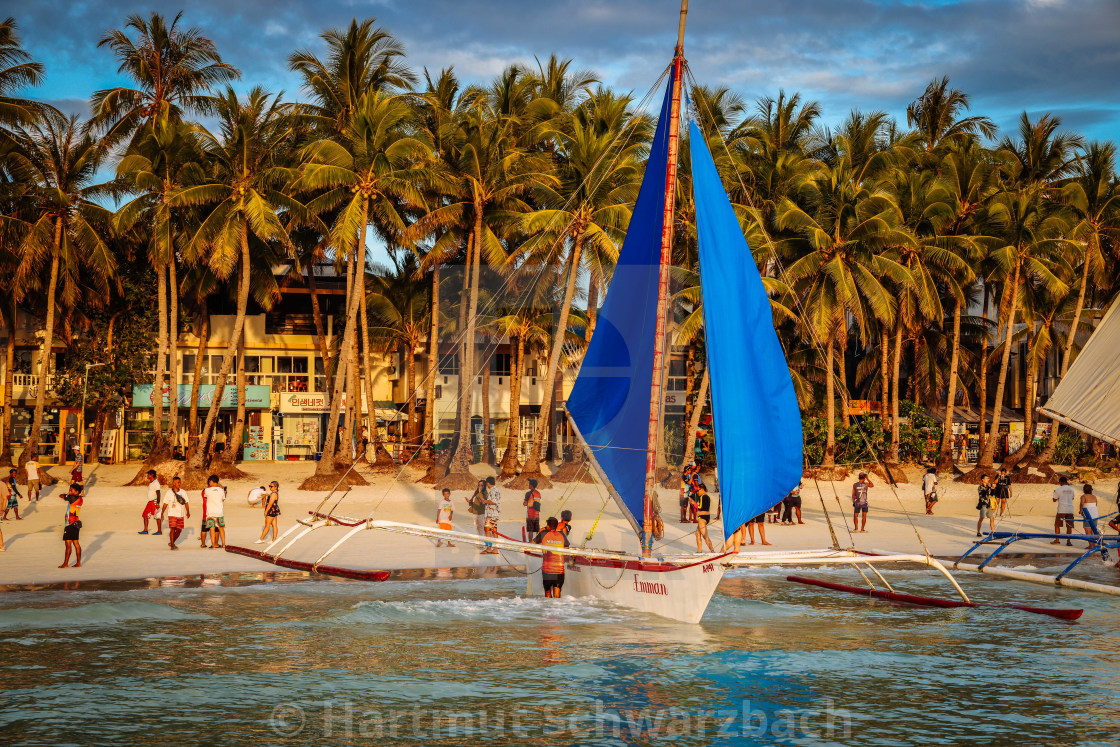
(499,364)
(449,365)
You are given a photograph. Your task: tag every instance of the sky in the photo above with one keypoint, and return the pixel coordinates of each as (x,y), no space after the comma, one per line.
(1010,56)
(1058,56)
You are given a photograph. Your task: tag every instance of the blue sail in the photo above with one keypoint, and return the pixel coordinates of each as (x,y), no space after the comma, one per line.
(610,400)
(756,418)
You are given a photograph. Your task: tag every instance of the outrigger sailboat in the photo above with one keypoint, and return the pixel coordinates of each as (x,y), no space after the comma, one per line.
(615,407)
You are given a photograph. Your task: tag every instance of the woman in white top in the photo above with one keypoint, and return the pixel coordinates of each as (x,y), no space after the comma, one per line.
(929,488)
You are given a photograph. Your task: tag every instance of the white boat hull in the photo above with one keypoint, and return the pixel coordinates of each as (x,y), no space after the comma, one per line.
(678,591)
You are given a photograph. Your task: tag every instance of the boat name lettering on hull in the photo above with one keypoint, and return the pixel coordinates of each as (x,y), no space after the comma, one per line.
(649,587)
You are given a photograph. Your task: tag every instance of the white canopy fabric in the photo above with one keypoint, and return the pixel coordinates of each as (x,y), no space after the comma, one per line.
(1088,396)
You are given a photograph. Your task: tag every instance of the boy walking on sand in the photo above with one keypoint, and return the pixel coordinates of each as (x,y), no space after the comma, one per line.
(444,511)
(177,508)
(151,508)
(12,500)
(859,502)
(214,496)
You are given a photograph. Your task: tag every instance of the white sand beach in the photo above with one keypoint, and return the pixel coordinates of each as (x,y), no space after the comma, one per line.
(112,549)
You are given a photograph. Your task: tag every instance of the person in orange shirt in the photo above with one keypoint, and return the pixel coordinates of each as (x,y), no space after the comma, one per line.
(552,568)
(73,527)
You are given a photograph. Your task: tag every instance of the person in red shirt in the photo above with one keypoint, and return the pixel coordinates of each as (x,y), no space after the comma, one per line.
(532,505)
(73,526)
(552,566)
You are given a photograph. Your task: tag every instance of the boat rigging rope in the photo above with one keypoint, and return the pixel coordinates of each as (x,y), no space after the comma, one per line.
(828,518)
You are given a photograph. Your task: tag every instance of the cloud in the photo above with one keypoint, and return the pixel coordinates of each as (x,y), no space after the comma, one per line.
(1009,55)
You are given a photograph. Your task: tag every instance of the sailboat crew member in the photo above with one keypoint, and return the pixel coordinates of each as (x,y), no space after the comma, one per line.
(552,568)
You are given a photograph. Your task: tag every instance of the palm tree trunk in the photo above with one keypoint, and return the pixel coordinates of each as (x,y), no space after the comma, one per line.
(371,411)
(694,419)
(533,463)
(320,332)
(593,307)
(463,457)
(896,369)
(237,435)
(510,463)
(464,295)
(884,378)
(32,445)
(690,381)
(945,463)
(354,412)
(172,436)
(326,465)
(196,463)
(487,455)
(829,403)
(987,456)
(433,369)
(1012,460)
(1067,353)
(984,375)
(843,345)
(157,453)
(200,356)
(9,362)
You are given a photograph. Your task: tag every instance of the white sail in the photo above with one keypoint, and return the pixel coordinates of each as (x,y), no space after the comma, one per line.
(1088,396)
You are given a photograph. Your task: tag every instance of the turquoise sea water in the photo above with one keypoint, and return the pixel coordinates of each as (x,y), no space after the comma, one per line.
(283,659)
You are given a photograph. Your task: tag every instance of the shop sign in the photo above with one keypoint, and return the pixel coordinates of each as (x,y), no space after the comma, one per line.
(308,402)
(257,396)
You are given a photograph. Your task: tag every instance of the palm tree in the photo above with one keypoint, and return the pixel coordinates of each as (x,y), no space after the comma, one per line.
(368,171)
(174,70)
(969,176)
(17,71)
(1031,229)
(399,315)
(843,268)
(598,179)
(493,174)
(1094,196)
(64,230)
(164,156)
(241,196)
(935,115)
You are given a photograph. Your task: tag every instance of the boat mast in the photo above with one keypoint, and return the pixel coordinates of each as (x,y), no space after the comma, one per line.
(656,395)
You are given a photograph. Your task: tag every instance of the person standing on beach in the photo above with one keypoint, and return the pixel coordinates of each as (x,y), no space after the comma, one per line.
(271,512)
(476,506)
(929,489)
(760,522)
(1090,511)
(177,508)
(792,503)
(203,531)
(493,511)
(13,496)
(736,540)
(1003,490)
(71,532)
(214,496)
(532,505)
(859,501)
(32,468)
(444,511)
(703,503)
(985,490)
(151,508)
(552,566)
(1064,496)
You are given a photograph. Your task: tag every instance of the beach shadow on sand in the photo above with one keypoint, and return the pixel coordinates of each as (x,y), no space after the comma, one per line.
(88,551)
(11,539)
